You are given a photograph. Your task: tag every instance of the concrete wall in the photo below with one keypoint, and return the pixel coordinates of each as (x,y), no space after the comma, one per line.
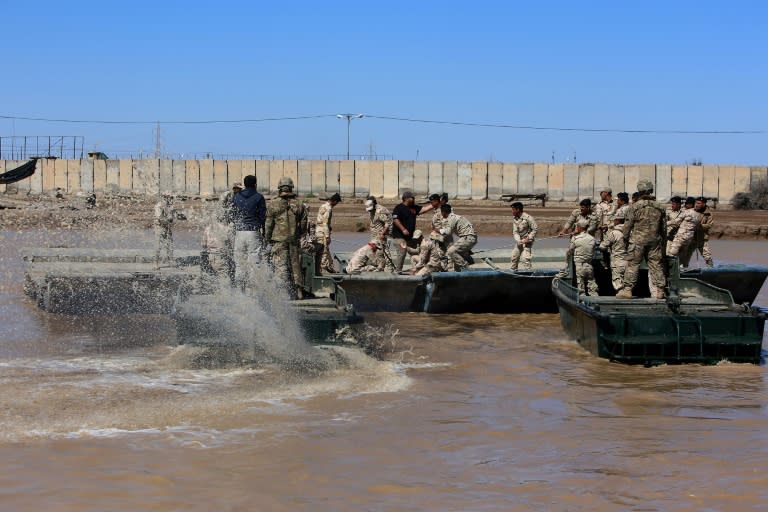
(463,180)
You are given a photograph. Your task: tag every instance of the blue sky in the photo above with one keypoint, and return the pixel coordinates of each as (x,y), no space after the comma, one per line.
(627,65)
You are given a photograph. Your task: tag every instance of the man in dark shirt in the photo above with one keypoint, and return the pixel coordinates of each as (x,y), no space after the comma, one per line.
(403,226)
(249,212)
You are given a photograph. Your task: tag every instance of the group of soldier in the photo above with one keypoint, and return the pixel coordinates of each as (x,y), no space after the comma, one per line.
(277,232)
(630,232)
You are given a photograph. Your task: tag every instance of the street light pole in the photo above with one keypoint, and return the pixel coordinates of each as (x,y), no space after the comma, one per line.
(349,118)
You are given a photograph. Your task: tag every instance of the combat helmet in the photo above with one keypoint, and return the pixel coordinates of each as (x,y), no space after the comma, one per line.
(645,186)
(285,182)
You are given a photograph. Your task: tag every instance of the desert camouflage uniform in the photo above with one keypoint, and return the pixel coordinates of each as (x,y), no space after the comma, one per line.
(458,252)
(523,228)
(576,215)
(684,226)
(583,249)
(431,258)
(381,229)
(644,232)
(164,215)
(226,217)
(285,225)
(323,234)
(604,210)
(365,259)
(438,223)
(701,241)
(613,242)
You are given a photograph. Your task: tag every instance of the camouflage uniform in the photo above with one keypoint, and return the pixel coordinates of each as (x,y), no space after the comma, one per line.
(701,240)
(365,259)
(285,225)
(438,223)
(576,216)
(164,215)
(684,226)
(644,231)
(613,242)
(381,229)
(459,252)
(431,258)
(226,218)
(524,231)
(583,249)
(323,235)
(604,210)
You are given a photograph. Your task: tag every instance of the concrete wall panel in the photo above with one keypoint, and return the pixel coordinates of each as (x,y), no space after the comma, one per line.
(757,174)
(3,186)
(247,168)
(571,182)
(60,174)
(347,171)
(113,176)
(220,177)
(206,178)
(23,186)
(435,177)
(99,176)
(631,177)
(479,186)
(291,169)
(391,185)
(525,178)
(451,178)
(49,175)
(304,181)
(602,179)
(73,176)
(332,177)
(695,181)
(362,178)
(377,178)
(179,176)
(275,173)
(192,177)
(509,175)
(741,178)
(495,182)
(680,180)
(464,180)
(263,181)
(555,181)
(166,176)
(616,178)
(421,178)
(663,182)
(710,186)
(726,183)
(540,178)
(318,178)
(36,181)
(86,175)
(405,176)
(587,182)
(648,172)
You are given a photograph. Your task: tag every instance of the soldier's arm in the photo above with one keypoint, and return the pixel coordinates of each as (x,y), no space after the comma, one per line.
(605,244)
(534,228)
(593,224)
(628,223)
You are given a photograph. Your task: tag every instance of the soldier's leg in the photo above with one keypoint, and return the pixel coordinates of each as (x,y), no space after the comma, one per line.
(707,253)
(526,258)
(674,247)
(617,274)
(589,277)
(514,258)
(326,261)
(168,244)
(656,269)
(282,264)
(634,257)
(240,255)
(397,253)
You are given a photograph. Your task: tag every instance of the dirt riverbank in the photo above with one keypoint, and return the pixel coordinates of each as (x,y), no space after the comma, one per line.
(490,218)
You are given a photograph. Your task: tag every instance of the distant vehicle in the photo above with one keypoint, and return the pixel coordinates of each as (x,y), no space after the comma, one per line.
(97,155)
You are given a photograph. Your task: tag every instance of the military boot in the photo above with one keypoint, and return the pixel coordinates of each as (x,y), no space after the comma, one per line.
(624,293)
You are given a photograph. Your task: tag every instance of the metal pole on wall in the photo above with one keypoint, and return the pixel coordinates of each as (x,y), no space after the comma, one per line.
(349,118)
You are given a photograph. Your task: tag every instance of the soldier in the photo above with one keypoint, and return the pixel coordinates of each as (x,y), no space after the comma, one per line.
(584,211)
(524,232)
(682,230)
(164,215)
(248,213)
(381,229)
(431,256)
(644,232)
(418,240)
(671,214)
(605,209)
(285,225)
(460,252)
(613,243)
(226,217)
(323,232)
(365,259)
(622,203)
(404,225)
(702,233)
(582,249)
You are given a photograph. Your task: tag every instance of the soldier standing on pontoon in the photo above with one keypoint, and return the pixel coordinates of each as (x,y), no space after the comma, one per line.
(524,232)
(164,215)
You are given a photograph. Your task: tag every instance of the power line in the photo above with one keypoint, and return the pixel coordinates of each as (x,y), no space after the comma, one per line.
(569,129)
(400,119)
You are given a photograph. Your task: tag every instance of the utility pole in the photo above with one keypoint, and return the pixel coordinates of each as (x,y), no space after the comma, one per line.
(158,144)
(349,118)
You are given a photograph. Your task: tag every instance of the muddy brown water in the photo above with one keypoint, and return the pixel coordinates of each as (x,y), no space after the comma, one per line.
(471,412)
